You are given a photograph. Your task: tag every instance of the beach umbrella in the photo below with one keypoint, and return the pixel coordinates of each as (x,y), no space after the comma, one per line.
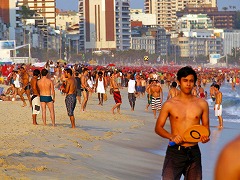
(61,61)
(99,67)
(92,62)
(111,64)
(39,64)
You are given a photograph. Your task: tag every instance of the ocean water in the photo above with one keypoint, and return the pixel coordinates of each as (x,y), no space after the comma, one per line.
(230,104)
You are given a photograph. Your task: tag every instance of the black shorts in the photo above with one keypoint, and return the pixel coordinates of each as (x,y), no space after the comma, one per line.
(180,160)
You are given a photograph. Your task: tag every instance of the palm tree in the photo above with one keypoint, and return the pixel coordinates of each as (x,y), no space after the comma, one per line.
(225,8)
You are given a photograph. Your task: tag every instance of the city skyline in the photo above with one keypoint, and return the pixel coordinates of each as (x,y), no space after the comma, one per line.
(139,4)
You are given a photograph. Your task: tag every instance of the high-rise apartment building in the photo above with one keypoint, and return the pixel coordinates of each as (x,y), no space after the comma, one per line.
(165,10)
(123,25)
(66,19)
(104,25)
(9,16)
(45,8)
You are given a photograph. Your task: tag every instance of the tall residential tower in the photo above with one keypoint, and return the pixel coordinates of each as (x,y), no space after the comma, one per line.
(104,25)
(45,8)
(165,10)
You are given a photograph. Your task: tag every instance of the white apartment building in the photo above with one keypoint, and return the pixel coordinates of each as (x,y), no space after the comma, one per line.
(45,9)
(146,19)
(165,10)
(199,42)
(193,21)
(145,42)
(231,41)
(66,19)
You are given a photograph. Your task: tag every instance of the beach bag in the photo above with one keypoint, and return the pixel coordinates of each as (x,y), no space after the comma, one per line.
(105,97)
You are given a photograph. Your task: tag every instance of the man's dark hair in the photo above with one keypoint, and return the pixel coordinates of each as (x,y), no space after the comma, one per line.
(68,70)
(174,84)
(84,70)
(76,73)
(217,86)
(36,72)
(100,73)
(44,72)
(185,71)
(132,76)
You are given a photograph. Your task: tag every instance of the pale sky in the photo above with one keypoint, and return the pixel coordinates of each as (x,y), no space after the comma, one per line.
(73,4)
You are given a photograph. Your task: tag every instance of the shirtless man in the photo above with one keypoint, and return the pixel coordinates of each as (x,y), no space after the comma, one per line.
(143,84)
(47,96)
(194,90)
(212,92)
(25,86)
(155,91)
(173,91)
(227,166)
(168,79)
(149,98)
(138,86)
(218,105)
(85,88)
(201,92)
(35,97)
(70,100)
(183,111)
(116,94)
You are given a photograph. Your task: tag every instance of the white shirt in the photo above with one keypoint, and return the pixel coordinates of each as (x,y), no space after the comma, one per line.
(131,86)
(100,86)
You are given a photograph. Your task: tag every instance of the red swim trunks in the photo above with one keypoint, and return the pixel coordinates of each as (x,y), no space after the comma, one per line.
(202,95)
(117,97)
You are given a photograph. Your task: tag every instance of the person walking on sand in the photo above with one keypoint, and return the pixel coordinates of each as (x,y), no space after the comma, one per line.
(100,87)
(35,96)
(78,81)
(116,94)
(155,91)
(173,91)
(47,96)
(131,92)
(70,99)
(25,86)
(85,88)
(218,105)
(149,98)
(184,158)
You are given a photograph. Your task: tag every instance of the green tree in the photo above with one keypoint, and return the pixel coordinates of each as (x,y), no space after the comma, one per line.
(26,12)
(225,8)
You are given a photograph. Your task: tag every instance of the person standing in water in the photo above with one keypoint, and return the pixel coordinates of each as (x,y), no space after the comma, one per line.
(218,105)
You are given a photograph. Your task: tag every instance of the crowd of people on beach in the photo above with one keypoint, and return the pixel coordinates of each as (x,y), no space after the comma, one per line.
(186,88)
(88,80)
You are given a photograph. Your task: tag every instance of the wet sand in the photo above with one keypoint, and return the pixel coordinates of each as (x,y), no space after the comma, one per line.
(103,145)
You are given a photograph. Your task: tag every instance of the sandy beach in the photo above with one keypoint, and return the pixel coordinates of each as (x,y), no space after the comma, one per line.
(103,145)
